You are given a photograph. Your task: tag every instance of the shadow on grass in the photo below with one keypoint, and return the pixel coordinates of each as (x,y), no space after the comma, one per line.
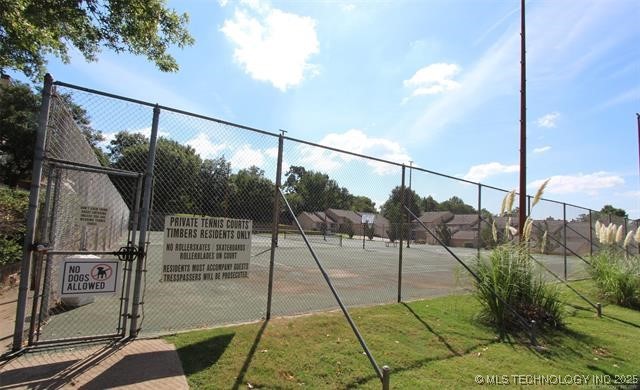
(430,329)
(247,360)
(202,355)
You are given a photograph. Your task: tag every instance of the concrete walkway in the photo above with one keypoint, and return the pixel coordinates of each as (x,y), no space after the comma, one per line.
(139,364)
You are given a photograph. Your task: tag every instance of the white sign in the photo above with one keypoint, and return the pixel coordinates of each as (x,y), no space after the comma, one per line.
(92,216)
(88,275)
(205,248)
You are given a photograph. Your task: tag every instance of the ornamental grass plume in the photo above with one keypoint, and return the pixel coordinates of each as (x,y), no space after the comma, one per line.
(627,239)
(507,202)
(619,234)
(538,196)
(494,231)
(543,244)
(597,228)
(637,236)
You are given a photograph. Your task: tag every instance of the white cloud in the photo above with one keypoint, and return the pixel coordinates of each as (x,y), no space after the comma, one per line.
(204,147)
(589,183)
(223,3)
(246,156)
(347,7)
(477,173)
(542,149)
(433,79)
(548,120)
(272,45)
(356,141)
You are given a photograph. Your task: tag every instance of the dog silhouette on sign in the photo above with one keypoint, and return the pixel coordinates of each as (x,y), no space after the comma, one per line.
(102,273)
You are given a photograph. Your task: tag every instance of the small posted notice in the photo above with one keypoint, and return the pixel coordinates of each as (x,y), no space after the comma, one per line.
(92,216)
(88,276)
(205,248)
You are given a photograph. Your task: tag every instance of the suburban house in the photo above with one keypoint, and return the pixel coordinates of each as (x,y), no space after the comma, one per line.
(463,222)
(464,239)
(346,217)
(430,219)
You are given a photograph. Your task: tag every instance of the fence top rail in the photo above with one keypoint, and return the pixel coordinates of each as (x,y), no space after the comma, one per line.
(275,135)
(164,108)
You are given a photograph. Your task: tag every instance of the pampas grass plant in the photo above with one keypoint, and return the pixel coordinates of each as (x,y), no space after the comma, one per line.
(507,278)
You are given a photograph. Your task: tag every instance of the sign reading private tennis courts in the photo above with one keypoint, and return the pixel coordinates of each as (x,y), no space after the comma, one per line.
(205,248)
(88,275)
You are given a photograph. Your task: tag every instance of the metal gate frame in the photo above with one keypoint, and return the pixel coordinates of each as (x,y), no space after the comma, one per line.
(36,253)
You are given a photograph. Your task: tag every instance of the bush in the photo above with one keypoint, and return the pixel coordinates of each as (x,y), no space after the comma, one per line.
(346,228)
(508,278)
(370,231)
(13,210)
(617,276)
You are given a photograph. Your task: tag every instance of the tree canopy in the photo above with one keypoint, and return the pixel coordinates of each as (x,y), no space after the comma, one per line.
(30,30)
(19,107)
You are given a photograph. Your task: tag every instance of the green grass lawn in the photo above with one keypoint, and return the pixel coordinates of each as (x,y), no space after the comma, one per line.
(434,343)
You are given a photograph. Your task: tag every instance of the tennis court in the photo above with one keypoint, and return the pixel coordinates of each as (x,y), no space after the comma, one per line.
(366,276)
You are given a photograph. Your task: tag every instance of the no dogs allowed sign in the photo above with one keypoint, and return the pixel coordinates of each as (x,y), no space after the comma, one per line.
(88,275)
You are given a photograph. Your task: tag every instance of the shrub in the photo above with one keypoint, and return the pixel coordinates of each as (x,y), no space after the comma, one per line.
(617,276)
(509,287)
(346,228)
(508,278)
(370,231)
(13,209)
(444,233)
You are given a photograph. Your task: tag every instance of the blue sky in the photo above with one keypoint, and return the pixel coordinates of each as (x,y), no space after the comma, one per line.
(433,82)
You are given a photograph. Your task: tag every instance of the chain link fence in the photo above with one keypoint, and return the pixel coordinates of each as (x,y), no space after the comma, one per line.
(221,245)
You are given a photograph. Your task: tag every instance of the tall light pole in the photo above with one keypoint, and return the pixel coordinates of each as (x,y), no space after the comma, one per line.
(523,126)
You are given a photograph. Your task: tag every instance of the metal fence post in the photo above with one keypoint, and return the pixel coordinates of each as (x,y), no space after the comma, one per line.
(276,221)
(144,222)
(48,270)
(386,372)
(401,234)
(564,237)
(32,216)
(590,235)
(479,218)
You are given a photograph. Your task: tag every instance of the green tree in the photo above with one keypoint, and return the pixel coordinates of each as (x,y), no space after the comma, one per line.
(456,206)
(124,140)
(315,191)
(18,123)
(252,196)
(613,211)
(19,107)
(214,187)
(30,30)
(176,179)
(429,204)
(393,211)
(444,233)
(363,204)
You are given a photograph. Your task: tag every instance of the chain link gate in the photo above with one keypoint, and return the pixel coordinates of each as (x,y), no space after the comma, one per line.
(83,238)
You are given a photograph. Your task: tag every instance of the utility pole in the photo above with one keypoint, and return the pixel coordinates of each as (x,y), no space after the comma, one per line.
(523,126)
(411,194)
(638,118)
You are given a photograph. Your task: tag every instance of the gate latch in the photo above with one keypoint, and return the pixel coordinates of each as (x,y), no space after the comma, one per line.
(128,253)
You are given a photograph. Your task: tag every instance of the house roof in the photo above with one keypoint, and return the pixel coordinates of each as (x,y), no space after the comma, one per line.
(324,217)
(464,219)
(345,214)
(431,217)
(312,216)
